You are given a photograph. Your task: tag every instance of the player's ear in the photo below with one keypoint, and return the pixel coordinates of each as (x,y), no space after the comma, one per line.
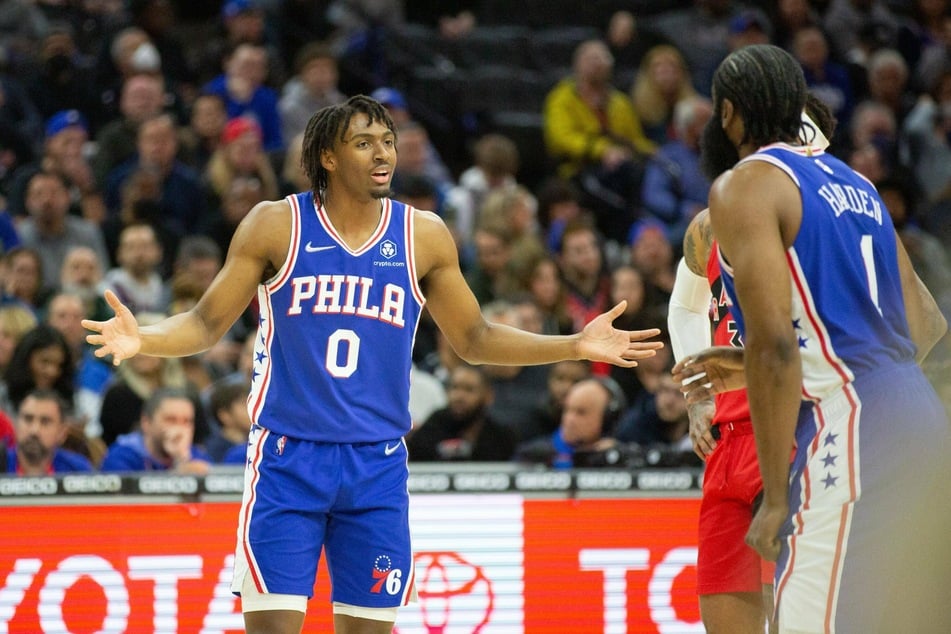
(327,161)
(726,112)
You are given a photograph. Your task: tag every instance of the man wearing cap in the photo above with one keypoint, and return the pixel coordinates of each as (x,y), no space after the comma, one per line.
(243,22)
(748,27)
(66,134)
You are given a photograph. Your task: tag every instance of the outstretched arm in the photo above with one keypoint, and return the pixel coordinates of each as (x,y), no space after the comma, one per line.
(260,239)
(457,313)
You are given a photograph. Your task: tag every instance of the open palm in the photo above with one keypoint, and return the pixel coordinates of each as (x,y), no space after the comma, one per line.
(601,341)
(118,336)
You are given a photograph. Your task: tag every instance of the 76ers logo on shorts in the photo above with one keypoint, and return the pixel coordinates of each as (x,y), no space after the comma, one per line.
(386,578)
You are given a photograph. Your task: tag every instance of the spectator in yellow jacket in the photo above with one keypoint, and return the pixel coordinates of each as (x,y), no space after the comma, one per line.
(593,133)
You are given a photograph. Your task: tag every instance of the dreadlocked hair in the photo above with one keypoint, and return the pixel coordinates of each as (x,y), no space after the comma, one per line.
(820,113)
(329,125)
(766,86)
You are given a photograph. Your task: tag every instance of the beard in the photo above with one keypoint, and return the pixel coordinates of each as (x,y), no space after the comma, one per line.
(33,450)
(462,419)
(380,194)
(717,152)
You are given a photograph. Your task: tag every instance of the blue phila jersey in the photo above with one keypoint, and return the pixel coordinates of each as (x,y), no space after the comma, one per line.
(848,308)
(335,337)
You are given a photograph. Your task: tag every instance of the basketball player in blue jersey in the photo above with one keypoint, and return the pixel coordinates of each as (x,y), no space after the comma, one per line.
(833,319)
(341,274)
(734,583)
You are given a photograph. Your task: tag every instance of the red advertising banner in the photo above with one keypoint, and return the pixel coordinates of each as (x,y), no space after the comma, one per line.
(611,566)
(485,564)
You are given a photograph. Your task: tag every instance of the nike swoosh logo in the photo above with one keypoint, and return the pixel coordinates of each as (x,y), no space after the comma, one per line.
(312,249)
(389,450)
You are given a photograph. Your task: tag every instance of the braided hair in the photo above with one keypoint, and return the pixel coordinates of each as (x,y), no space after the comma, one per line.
(821,115)
(767,88)
(329,125)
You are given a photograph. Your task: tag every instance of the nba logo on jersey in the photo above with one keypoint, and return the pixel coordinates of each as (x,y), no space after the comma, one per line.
(281,442)
(388,249)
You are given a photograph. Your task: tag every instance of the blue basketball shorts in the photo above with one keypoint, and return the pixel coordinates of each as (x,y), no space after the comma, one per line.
(351,500)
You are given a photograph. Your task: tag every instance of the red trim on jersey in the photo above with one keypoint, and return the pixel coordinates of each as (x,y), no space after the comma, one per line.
(408,594)
(409,231)
(385,214)
(293,248)
(245,529)
(266,377)
(845,520)
(268,310)
(814,320)
(845,516)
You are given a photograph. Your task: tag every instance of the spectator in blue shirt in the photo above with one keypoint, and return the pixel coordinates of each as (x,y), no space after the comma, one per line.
(41,429)
(182,203)
(242,88)
(674,188)
(164,440)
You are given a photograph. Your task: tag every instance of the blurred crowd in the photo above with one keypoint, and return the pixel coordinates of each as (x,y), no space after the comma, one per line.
(565,158)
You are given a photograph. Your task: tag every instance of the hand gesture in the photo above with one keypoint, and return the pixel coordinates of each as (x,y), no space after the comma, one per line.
(711,371)
(177,443)
(763,534)
(118,336)
(701,415)
(601,341)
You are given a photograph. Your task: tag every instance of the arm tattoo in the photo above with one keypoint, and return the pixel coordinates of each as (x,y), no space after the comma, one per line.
(697,245)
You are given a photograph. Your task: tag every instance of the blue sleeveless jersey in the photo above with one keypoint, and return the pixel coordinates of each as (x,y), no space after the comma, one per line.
(335,337)
(848,308)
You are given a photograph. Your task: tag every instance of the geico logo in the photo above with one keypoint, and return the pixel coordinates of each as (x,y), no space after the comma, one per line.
(92,483)
(604,481)
(163,571)
(544,481)
(481,482)
(28,486)
(168,484)
(665,480)
(428,483)
(224,483)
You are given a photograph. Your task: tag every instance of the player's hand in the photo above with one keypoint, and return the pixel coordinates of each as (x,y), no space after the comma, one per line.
(763,535)
(118,336)
(601,341)
(701,415)
(711,371)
